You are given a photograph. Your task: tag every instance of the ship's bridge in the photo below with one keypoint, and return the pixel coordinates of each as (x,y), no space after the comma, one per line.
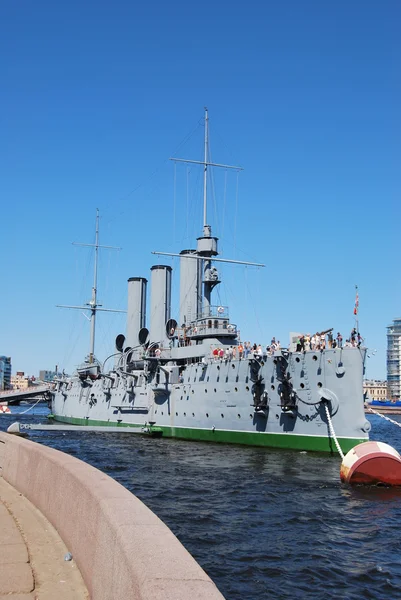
(213,323)
(220,312)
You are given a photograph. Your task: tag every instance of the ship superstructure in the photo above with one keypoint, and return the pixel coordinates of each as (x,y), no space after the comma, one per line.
(187,378)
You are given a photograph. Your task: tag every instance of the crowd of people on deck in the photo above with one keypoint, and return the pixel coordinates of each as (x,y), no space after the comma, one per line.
(304,342)
(326,339)
(244,350)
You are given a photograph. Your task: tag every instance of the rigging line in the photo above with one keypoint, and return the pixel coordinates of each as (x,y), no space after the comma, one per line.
(253,302)
(244,255)
(157,169)
(236,215)
(213,190)
(68,353)
(193,222)
(216,133)
(187,215)
(224,203)
(174,199)
(82,294)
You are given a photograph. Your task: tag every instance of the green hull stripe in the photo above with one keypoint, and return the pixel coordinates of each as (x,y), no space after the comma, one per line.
(247,438)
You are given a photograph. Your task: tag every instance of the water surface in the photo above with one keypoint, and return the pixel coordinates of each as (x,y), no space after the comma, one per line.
(262,523)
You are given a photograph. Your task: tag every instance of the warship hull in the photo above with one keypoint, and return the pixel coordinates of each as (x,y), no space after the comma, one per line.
(214,400)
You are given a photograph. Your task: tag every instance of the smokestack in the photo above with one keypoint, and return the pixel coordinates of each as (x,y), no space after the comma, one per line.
(136,311)
(189,276)
(160,301)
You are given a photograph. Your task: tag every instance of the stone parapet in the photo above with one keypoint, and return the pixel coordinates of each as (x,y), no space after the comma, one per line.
(122,549)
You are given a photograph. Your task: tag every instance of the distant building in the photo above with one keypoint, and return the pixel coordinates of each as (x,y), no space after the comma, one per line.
(394,359)
(48,375)
(375,389)
(20,381)
(5,372)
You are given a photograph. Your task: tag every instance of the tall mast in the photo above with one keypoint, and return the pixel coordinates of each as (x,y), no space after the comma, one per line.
(93,306)
(93,302)
(205,163)
(206,251)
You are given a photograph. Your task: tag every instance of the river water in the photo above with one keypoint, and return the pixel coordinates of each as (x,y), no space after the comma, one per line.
(262,523)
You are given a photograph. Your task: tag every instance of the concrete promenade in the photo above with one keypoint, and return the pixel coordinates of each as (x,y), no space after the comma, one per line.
(52,503)
(32,565)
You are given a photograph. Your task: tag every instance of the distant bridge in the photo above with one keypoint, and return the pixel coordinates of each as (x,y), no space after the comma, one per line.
(34,391)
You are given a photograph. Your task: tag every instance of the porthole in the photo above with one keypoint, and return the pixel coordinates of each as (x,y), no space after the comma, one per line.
(155,412)
(314,357)
(302,385)
(207,414)
(205,390)
(319,384)
(222,416)
(185,414)
(273,388)
(251,416)
(236,389)
(233,366)
(193,391)
(239,416)
(247,388)
(218,367)
(297,359)
(193,414)
(215,390)
(162,413)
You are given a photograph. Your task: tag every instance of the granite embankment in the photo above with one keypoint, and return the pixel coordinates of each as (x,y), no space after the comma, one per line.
(122,549)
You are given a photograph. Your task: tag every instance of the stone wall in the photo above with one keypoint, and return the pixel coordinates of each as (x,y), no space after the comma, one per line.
(123,550)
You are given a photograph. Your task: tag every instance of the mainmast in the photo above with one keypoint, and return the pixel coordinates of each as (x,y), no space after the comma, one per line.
(206,251)
(205,169)
(94,307)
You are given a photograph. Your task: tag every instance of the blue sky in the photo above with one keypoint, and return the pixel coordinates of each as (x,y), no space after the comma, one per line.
(95,97)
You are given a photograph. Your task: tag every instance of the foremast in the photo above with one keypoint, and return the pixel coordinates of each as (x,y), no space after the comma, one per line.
(93,305)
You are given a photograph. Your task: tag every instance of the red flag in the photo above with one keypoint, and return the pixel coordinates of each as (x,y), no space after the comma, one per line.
(356,303)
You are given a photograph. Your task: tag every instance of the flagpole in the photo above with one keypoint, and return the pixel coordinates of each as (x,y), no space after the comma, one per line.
(356,309)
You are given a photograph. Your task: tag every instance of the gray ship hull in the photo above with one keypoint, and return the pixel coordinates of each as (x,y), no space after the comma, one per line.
(214,400)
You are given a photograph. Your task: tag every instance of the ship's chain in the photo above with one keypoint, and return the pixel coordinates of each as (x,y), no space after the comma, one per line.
(374,412)
(331,429)
(311,403)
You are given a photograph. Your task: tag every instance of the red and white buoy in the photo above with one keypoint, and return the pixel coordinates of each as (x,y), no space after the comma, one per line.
(371,463)
(4,409)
